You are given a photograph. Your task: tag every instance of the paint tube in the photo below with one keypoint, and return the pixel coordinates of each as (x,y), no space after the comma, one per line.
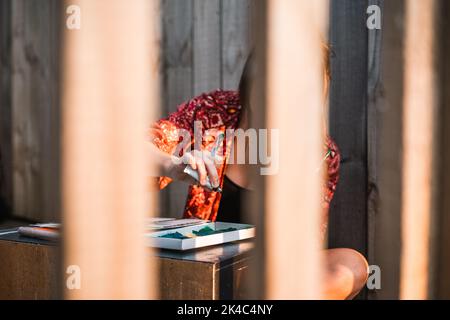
(194,174)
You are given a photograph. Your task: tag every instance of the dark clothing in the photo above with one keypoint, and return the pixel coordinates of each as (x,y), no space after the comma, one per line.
(232,204)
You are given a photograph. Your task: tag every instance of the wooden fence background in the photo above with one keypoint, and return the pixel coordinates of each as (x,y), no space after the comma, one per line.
(29,105)
(204,46)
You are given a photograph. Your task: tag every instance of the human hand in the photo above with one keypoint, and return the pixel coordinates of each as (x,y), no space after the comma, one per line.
(201,161)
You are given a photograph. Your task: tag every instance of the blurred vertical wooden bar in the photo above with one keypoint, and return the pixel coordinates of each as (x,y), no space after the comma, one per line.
(294,107)
(110,89)
(420,105)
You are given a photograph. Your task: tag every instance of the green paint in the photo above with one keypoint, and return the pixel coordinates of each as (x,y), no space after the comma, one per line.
(206,231)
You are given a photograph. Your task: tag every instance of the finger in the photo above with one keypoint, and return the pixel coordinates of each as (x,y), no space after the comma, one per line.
(212,173)
(218,160)
(190,160)
(201,169)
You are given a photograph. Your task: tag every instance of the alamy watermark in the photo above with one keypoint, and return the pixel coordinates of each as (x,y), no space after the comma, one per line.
(374,19)
(73,21)
(73,281)
(251,144)
(374,277)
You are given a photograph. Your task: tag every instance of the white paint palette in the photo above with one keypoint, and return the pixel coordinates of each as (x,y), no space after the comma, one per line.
(241,232)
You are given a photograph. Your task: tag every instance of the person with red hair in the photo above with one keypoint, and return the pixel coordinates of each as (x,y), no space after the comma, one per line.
(215,113)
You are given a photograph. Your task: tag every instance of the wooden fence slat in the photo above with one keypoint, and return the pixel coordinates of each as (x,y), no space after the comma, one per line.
(177,72)
(390,149)
(235,41)
(51,132)
(177,50)
(255,208)
(6,164)
(35,109)
(348,123)
(374,94)
(207,45)
(442,254)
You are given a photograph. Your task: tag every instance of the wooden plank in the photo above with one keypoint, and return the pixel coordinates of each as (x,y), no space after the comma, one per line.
(235,41)
(177,73)
(374,95)
(28,271)
(442,254)
(177,16)
(5,111)
(348,123)
(186,280)
(294,105)
(420,112)
(35,109)
(51,128)
(255,208)
(207,46)
(389,146)
(230,280)
(111,92)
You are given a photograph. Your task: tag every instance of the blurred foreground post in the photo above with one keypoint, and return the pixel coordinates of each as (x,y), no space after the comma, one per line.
(109,87)
(295,107)
(419,132)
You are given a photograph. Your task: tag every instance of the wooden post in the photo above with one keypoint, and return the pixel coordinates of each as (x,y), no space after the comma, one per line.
(255,208)
(109,86)
(6,164)
(348,123)
(294,107)
(389,112)
(374,95)
(235,39)
(34,76)
(420,107)
(177,85)
(442,250)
